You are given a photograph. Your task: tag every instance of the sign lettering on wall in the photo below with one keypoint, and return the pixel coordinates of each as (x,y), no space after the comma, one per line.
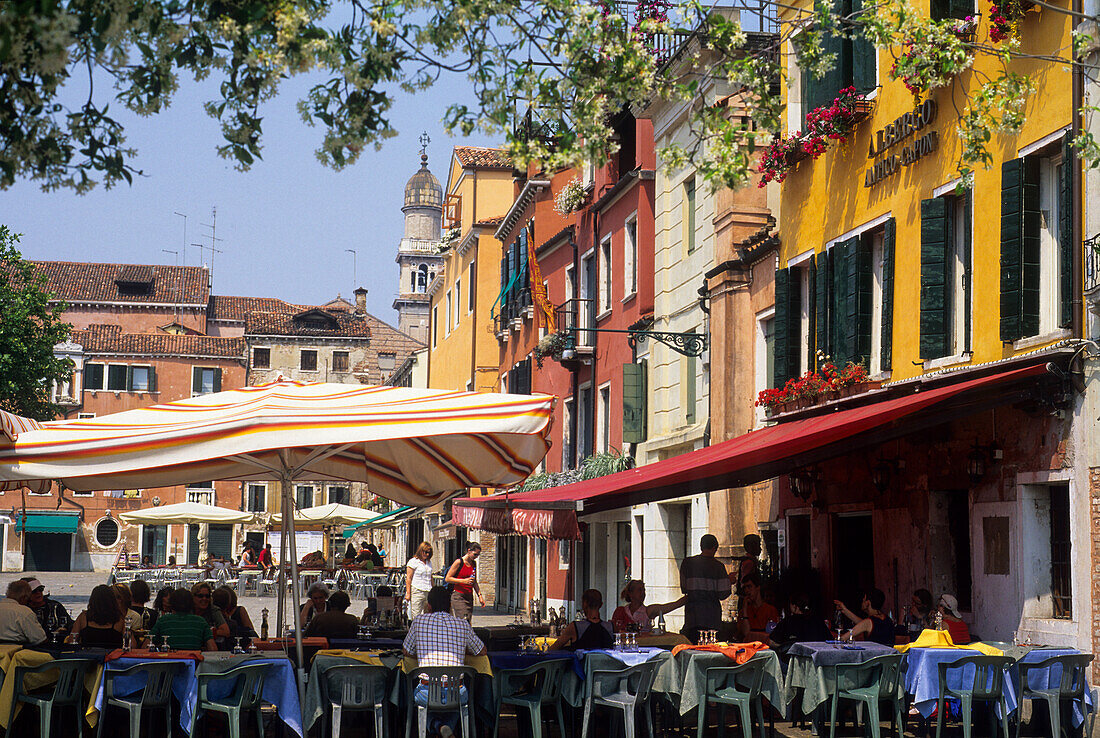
(904,133)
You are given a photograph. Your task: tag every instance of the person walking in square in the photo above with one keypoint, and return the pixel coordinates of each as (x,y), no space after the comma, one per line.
(463,577)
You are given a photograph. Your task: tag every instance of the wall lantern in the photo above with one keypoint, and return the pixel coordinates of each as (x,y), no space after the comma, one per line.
(978,459)
(883,471)
(803,482)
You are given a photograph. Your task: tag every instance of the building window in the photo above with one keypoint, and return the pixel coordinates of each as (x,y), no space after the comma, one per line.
(116,377)
(387,362)
(1061,564)
(605,275)
(421,279)
(435,326)
(855,65)
(567,449)
(141,379)
(945,276)
(794,93)
(261,358)
(584,431)
(205,380)
(339,496)
(765,356)
(257,498)
(201,492)
(307,361)
(944,9)
(106,532)
(471,294)
(458,301)
(690,395)
(630,255)
(605,419)
(447,324)
(1050,277)
(303,496)
(339,361)
(85,416)
(93,376)
(689,214)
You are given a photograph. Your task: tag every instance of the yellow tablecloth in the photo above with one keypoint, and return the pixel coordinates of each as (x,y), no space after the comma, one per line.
(365,656)
(27,657)
(479,663)
(930,638)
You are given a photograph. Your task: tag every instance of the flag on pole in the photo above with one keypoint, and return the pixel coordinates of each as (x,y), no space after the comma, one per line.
(538,290)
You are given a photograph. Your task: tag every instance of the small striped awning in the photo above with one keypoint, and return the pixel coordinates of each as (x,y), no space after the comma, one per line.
(390,518)
(63,524)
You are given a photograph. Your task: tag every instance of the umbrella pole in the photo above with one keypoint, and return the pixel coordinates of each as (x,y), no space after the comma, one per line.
(288,520)
(281,577)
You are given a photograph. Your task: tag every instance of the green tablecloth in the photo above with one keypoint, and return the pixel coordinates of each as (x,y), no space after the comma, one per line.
(312,708)
(811,669)
(574,685)
(683,678)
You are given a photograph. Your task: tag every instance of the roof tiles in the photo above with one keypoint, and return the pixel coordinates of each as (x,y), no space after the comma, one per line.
(94,282)
(482,157)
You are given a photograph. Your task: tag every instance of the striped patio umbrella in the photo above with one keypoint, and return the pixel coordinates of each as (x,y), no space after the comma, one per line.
(416,447)
(332,514)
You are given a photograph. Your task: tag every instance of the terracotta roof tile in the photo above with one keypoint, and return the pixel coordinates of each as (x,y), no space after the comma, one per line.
(100,339)
(491,222)
(93,282)
(283,323)
(226,308)
(483,157)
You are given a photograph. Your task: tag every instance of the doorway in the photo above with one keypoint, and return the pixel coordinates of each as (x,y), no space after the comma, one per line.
(154,543)
(47,551)
(853,558)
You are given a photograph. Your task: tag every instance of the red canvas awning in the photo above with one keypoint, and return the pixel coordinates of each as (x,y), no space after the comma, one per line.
(752,457)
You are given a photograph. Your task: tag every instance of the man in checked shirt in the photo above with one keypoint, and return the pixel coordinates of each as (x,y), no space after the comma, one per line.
(438,638)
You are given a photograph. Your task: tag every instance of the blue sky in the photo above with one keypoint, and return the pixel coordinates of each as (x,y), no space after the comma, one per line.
(284,225)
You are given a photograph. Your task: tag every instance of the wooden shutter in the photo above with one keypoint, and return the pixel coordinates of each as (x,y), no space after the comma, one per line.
(934,300)
(781,363)
(196,380)
(887,335)
(633,403)
(864,53)
(93,376)
(152,379)
(1020,238)
(1065,234)
(861,259)
(960,8)
(821,92)
(129,378)
(692,400)
(811,302)
(841,348)
(217,380)
(822,293)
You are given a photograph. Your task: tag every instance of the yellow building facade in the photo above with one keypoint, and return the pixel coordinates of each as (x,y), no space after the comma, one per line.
(918,299)
(462,349)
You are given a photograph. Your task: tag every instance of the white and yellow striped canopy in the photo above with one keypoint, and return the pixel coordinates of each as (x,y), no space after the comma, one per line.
(413,446)
(331,514)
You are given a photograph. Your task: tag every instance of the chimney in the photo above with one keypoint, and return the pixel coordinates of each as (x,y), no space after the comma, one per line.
(360,301)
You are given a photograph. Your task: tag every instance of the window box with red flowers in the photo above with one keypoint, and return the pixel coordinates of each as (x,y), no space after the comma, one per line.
(812,388)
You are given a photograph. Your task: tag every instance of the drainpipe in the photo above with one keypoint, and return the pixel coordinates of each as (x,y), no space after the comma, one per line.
(595,334)
(576,369)
(473,291)
(1077,325)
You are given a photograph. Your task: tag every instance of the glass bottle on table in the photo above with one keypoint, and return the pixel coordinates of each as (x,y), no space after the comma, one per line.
(263,625)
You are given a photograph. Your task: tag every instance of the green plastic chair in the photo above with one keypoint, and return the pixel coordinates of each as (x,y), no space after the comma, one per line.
(532,688)
(619,689)
(987,685)
(1071,686)
(870,683)
(355,687)
(439,699)
(156,695)
(738,686)
(245,697)
(68,691)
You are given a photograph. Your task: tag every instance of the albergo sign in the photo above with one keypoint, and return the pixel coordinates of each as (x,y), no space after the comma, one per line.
(899,132)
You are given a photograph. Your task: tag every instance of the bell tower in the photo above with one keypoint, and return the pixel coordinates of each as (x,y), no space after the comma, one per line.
(418,254)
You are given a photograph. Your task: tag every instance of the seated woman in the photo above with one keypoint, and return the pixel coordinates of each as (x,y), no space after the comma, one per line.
(102,624)
(952,619)
(800,626)
(202,598)
(236,617)
(756,613)
(125,600)
(590,633)
(876,627)
(181,627)
(920,615)
(637,616)
(316,604)
(161,603)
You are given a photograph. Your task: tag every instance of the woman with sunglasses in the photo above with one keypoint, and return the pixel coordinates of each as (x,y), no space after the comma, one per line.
(202,594)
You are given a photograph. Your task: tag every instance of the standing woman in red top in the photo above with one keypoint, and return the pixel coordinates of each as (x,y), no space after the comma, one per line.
(462,576)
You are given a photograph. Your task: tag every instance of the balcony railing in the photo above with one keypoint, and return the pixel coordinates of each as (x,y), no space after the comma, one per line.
(1092,263)
(579,316)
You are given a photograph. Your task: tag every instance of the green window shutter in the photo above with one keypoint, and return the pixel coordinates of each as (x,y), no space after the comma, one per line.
(940,9)
(887,335)
(960,8)
(691,399)
(93,376)
(1031,247)
(841,349)
(822,292)
(152,379)
(864,286)
(1012,236)
(781,370)
(933,278)
(864,53)
(821,92)
(1065,233)
(811,301)
(217,380)
(129,378)
(793,338)
(633,403)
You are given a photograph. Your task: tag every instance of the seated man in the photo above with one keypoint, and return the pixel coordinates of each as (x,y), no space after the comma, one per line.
(334,622)
(438,638)
(800,626)
(51,614)
(18,623)
(756,613)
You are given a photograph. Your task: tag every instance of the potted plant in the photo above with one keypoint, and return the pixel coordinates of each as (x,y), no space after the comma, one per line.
(552,345)
(571,197)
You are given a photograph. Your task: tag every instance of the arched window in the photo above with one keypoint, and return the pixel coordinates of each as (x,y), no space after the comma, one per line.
(422,278)
(106,532)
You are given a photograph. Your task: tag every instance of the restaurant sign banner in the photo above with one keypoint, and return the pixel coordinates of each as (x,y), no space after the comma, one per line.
(899,133)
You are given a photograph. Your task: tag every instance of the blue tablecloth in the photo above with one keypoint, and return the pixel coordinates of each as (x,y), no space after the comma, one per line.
(524,659)
(185,687)
(922,677)
(627,658)
(811,668)
(1050,678)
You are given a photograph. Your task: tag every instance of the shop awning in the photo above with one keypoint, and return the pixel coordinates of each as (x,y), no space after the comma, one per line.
(389,518)
(64,524)
(752,457)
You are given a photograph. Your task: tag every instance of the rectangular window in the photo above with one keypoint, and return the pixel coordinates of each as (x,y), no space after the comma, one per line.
(116,377)
(257,498)
(387,362)
(944,9)
(567,452)
(1061,565)
(458,301)
(765,356)
(605,275)
(945,276)
(308,360)
(447,325)
(877,262)
(303,496)
(339,361)
(584,434)
(435,326)
(261,358)
(630,255)
(805,314)
(690,394)
(339,496)
(93,376)
(205,380)
(141,379)
(689,214)
(605,419)
(1050,177)
(85,416)
(471,294)
(200,492)
(959,260)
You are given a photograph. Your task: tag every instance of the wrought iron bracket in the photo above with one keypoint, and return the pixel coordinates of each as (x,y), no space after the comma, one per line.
(687,344)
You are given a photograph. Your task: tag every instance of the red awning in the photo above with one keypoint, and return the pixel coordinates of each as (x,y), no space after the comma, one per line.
(752,457)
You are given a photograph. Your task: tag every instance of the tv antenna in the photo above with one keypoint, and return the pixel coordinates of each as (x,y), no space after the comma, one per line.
(213,226)
(354,277)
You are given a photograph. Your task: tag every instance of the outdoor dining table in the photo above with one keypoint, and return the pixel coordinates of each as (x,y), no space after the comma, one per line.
(922,679)
(325,660)
(1048,678)
(682,677)
(585,662)
(365,644)
(15,655)
(811,667)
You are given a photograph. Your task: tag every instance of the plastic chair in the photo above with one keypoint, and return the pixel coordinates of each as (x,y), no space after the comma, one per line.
(440,699)
(869,683)
(246,696)
(987,685)
(157,694)
(68,691)
(1071,686)
(359,687)
(726,685)
(532,688)
(619,689)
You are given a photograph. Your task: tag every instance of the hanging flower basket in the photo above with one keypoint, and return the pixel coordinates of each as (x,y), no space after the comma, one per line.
(571,197)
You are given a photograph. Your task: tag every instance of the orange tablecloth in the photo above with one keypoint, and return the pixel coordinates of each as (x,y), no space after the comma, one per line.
(283,644)
(144,653)
(739,652)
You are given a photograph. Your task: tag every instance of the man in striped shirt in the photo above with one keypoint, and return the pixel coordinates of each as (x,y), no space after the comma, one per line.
(706,583)
(182,628)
